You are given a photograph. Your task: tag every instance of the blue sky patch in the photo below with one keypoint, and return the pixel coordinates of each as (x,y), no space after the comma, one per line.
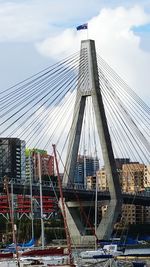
(142,29)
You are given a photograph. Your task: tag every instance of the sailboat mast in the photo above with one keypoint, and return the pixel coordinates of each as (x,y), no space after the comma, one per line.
(31,197)
(63,208)
(41,200)
(96,188)
(10,207)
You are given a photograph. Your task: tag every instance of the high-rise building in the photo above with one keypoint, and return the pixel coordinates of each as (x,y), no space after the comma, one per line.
(12,158)
(86,166)
(32,164)
(29,166)
(147,177)
(120,161)
(91,182)
(102,179)
(132,177)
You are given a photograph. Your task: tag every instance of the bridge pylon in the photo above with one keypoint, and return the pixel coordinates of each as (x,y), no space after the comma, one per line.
(93,90)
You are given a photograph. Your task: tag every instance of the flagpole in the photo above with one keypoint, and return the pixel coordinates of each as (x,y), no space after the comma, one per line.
(83,27)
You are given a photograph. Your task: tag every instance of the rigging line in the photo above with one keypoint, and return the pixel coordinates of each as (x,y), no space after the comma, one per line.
(135,128)
(40,94)
(75,114)
(45,117)
(113,111)
(48,127)
(126,94)
(132,136)
(39,90)
(121,146)
(89,126)
(54,65)
(143,119)
(94,129)
(36,110)
(86,84)
(66,121)
(84,131)
(59,123)
(129,100)
(67,137)
(126,87)
(128,117)
(26,111)
(85,125)
(48,106)
(32,84)
(82,146)
(40,107)
(36,116)
(80,82)
(116,155)
(118,115)
(75,83)
(128,168)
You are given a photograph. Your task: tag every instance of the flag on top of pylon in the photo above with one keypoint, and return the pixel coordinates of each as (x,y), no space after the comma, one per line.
(82,27)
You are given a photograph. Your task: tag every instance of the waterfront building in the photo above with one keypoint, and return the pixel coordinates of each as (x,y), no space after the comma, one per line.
(29,165)
(132,214)
(147,189)
(147,177)
(102,179)
(132,177)
(32,164)
(102,176)
(12,158)
(133,182)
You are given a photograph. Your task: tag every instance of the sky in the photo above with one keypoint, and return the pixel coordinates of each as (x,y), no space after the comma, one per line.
(32,33)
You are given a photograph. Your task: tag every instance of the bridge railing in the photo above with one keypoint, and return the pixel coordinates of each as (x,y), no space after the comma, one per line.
(69,186)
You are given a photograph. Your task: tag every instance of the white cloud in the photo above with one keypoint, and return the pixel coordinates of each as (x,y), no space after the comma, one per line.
(24,21)
(115,41)
(30,20)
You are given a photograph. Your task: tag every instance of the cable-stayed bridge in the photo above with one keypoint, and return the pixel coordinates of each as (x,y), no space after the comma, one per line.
(70,192)
(84,107)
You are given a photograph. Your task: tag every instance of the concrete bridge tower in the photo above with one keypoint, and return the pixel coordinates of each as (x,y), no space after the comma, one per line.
(93,89)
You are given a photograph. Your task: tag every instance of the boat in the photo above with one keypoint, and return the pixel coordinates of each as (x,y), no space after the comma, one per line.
(100,255)
(45,261)
(6,255)
(104,253)
(55,251)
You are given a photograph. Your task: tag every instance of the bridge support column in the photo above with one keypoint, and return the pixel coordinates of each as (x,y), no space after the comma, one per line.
(76,228)
(105,228)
